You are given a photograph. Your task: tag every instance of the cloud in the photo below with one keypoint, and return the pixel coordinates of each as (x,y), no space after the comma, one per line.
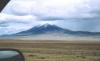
(10,24)
(77,15)
(14,18)
(80,25)
(59,9)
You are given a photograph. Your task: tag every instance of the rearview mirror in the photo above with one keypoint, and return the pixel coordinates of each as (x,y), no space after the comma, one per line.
(11,55)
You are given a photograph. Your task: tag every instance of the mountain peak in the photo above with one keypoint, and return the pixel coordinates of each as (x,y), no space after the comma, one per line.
(46,25)
(50,27)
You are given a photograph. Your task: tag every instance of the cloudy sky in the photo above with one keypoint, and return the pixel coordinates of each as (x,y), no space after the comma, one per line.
(76,15)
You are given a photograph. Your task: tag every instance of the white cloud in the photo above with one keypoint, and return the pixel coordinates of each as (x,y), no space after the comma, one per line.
(15,18)
(21,15)
(55,8)
(12,24)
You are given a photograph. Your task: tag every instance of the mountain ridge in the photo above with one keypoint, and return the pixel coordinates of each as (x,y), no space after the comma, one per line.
(48,28)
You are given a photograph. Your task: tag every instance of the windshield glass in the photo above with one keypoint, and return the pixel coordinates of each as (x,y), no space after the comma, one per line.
(72,15)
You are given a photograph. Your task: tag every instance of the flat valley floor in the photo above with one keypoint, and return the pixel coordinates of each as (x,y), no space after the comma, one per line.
(34,50)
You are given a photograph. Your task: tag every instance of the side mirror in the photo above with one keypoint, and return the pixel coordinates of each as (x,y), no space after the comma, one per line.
(11,55)
(3,3)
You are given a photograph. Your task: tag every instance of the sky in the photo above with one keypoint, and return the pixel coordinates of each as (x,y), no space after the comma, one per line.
(76,15)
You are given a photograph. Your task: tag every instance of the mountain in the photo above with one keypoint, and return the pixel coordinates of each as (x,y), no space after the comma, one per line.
(42,29)
(50,29)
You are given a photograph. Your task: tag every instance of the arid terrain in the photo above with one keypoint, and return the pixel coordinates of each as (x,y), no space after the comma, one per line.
(35,50)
